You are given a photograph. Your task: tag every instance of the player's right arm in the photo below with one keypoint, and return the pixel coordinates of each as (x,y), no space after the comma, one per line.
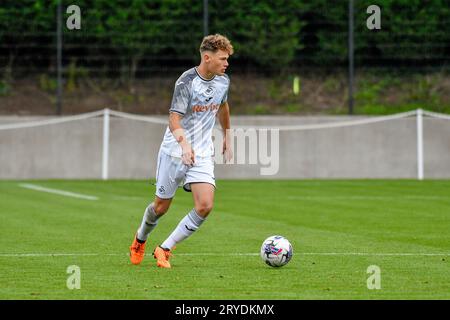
(178,108)
(188,156)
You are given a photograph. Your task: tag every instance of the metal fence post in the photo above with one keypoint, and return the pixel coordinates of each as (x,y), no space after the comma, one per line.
(205,18)
(105,154)
(350,56)
(59,59)
(419,144)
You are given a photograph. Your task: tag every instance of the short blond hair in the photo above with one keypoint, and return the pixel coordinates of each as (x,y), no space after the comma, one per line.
(215,42)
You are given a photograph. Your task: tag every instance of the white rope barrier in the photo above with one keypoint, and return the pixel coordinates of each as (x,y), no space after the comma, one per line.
(329,125)
(155,120)
(46,122)
(436,115)
(139,117)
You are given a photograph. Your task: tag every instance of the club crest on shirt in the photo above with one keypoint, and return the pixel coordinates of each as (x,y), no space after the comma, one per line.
(209,91)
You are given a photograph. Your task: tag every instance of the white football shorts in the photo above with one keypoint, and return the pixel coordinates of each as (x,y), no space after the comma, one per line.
(171,172)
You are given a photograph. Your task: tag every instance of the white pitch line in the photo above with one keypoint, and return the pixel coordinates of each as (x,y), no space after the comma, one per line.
(19,255)
(56,191)
(373,254)
(47,254)
(322,198)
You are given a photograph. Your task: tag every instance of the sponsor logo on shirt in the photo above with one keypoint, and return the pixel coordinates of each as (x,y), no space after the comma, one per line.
(211,107)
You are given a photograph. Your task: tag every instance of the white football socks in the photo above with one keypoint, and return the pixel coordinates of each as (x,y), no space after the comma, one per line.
(187,226)
(149,222)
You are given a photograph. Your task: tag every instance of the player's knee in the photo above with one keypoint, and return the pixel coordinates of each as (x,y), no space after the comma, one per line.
(204,208)
(160,208)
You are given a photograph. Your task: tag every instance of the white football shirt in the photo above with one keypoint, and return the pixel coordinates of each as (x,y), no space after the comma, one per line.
(197,100)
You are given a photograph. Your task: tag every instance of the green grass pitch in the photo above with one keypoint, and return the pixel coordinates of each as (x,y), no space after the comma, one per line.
(337,228)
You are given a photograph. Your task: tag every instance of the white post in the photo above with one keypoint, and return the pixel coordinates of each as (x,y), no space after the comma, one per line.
(105,144)
(419,144)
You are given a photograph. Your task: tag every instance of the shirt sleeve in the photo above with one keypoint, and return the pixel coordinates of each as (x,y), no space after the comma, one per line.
(225,95)
(181,97)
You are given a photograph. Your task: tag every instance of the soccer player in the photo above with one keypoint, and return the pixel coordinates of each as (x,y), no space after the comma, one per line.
(186,152)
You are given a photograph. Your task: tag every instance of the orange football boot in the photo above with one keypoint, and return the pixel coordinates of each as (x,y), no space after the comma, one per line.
(162,257)
(137,251)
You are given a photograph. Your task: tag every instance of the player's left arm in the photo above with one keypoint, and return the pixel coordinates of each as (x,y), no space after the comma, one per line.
(224,118)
